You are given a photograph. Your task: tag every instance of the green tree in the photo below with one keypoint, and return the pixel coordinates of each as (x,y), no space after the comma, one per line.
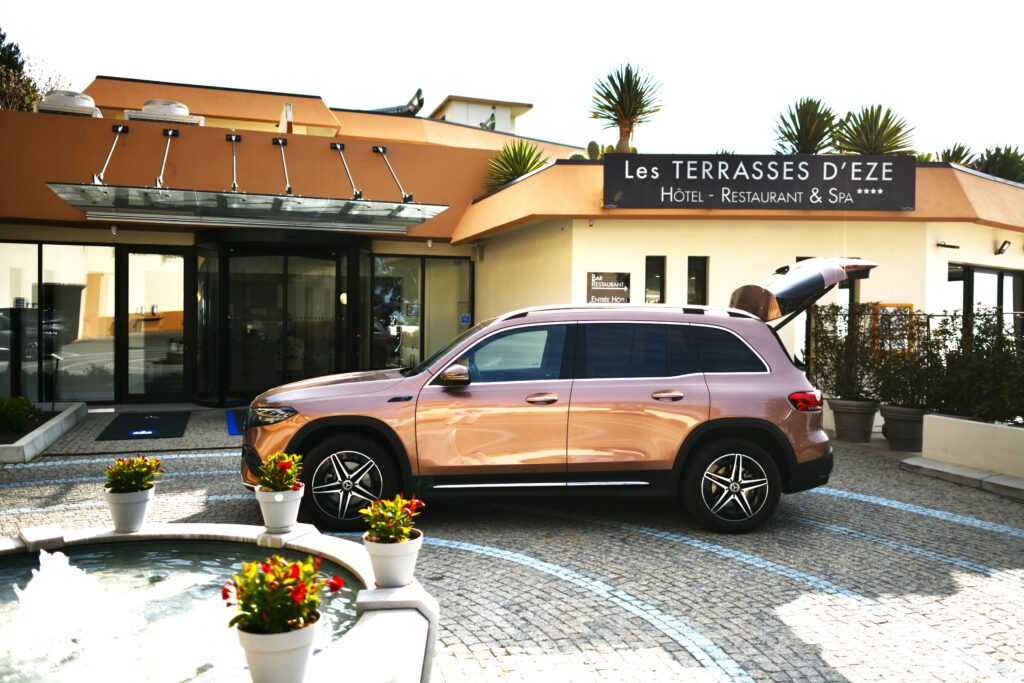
(958,153)
(625,98)
(18,90)
(873,131)
(1002,162)
(514,160)
(805,128)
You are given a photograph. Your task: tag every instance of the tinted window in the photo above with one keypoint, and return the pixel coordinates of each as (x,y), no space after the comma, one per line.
(723,351)
(518,355)
(625,350)
(682,356)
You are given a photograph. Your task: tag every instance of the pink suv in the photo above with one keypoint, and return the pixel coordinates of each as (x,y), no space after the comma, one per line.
(655,400)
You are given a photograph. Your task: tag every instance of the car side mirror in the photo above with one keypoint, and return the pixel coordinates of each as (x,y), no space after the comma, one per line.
(455,375)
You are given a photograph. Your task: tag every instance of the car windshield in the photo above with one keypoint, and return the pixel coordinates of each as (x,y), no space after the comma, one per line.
(433,358)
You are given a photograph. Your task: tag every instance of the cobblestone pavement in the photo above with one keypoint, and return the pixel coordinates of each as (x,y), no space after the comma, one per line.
(883,575)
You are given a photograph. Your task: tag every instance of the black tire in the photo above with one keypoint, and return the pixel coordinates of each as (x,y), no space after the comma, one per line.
(731,486)
(336,488)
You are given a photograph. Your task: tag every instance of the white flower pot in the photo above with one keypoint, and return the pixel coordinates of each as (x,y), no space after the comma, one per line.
(394,563)
(280,509)
(128,510)
(278,657)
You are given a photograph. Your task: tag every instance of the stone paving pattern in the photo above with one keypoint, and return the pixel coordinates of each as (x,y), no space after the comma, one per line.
(831,589)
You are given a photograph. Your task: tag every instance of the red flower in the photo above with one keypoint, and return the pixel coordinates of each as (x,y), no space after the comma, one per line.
(316,562)
(296,487)
(225,591)
(335,584)
(299,593)
(296,570)
(284,465)
(266,567)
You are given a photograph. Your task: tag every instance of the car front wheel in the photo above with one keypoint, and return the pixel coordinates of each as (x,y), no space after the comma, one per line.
(732,486)
(344,474)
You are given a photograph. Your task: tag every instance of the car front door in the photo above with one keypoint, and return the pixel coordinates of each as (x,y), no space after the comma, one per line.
(508,426)
(638,392)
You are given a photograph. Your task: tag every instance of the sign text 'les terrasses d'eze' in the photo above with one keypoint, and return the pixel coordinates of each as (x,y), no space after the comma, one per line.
(710,181)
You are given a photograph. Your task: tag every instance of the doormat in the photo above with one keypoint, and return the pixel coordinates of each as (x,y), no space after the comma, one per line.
(236,420)
(146,426)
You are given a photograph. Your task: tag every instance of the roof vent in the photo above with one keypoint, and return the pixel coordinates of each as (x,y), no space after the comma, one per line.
(167,111)
(67,102)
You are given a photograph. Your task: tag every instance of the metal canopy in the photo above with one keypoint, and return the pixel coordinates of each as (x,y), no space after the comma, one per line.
(203,208)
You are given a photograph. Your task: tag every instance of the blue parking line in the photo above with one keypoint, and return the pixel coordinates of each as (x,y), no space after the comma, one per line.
(709,655)
(77,480)
(919,510)
(889,543)
(108,458)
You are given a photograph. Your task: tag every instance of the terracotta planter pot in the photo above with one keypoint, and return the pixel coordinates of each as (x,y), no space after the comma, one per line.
(278,657)
(280,509)
(903,427)
(128,510)
(854,419)
(394,563)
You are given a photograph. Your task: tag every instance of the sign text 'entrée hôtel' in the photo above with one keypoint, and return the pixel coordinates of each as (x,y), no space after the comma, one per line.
(708,181)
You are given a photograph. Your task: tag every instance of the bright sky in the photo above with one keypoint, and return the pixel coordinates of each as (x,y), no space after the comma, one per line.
(727,69)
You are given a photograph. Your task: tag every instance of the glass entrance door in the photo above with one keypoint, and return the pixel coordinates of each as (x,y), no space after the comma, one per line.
(156,326)
(283,320)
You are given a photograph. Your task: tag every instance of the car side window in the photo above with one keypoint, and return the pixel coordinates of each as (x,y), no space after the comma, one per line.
(625,350)
(518,355)
(722,351)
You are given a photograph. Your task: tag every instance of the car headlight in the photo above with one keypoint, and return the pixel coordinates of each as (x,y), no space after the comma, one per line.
(261,417)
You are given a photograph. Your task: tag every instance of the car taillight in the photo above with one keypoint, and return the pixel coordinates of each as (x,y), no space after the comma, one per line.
(806,401)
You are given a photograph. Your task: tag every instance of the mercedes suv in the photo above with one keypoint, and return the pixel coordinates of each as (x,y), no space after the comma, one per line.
(693,402)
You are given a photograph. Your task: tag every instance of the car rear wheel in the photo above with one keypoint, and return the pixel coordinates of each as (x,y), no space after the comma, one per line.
(732,485)
(342,475)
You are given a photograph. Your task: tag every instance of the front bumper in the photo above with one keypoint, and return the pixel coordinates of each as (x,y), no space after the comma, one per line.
(251,464)
(807,475)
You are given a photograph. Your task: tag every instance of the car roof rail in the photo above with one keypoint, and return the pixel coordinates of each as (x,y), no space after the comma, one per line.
(690,309)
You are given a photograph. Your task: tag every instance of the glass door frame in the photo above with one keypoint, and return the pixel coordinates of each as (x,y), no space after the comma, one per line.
(121,390)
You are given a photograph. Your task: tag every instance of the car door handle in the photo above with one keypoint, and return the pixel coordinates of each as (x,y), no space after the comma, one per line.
(668,395)
(541,399)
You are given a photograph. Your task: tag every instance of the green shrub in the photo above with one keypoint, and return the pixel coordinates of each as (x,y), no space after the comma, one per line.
(841,351)
(16,413)
(129,475)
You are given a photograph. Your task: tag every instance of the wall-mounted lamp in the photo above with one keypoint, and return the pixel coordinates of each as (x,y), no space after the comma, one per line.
(947,246)
(1001,249)
(343,298)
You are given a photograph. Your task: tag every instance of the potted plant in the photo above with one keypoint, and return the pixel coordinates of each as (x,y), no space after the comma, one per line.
(841,366)
(903,366)
(391,541)
(277,605)
(279,492)
(129,490)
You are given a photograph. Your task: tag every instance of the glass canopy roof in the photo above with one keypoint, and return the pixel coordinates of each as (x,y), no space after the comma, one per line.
(203,208)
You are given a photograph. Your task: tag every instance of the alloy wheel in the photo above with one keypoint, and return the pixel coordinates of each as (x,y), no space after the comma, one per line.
(734,487)
(344,482)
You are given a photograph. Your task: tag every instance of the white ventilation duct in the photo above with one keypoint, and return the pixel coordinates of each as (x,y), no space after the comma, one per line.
(67,102)
(166,111)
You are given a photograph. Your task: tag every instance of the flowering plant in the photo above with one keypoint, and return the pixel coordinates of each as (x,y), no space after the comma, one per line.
(277,596)
(390,521)
(128,475)
(281,473)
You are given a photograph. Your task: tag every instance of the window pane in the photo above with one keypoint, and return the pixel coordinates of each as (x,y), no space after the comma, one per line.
(309,345)
(697,280)
(654,291)
(986,290)
(533,353)
(78,321)
(396,312)
(208,321)
(255,322)
(625,350)
(722,351)
(156,324)
(682,355)
(19,321)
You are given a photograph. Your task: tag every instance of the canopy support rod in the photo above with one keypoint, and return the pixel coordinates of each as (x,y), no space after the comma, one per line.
(234,139)
(383,151)
(281,142)
(97,178)
(169,133)
(356,194)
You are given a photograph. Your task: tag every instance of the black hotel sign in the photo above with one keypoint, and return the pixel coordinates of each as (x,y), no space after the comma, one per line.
(709,181)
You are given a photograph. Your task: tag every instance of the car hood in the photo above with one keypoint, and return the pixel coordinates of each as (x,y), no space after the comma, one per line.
(346,384)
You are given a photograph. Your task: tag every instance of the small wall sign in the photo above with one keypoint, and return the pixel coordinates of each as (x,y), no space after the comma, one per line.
(607,288)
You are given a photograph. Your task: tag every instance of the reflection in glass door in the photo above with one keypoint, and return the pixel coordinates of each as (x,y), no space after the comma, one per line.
(309,346)
(156,325)
(255,321)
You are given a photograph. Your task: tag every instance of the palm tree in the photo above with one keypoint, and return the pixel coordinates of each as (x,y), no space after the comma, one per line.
(1002,162)
(805,128)
(514,160)
(958,153)
(872,131)
(625,99)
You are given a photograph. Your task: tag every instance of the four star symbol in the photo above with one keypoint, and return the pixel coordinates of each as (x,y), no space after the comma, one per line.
(870,190)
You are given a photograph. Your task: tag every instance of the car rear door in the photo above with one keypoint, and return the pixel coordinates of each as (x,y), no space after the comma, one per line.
(637,394)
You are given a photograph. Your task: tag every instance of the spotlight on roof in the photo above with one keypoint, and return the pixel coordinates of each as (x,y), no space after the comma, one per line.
(1003,247)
